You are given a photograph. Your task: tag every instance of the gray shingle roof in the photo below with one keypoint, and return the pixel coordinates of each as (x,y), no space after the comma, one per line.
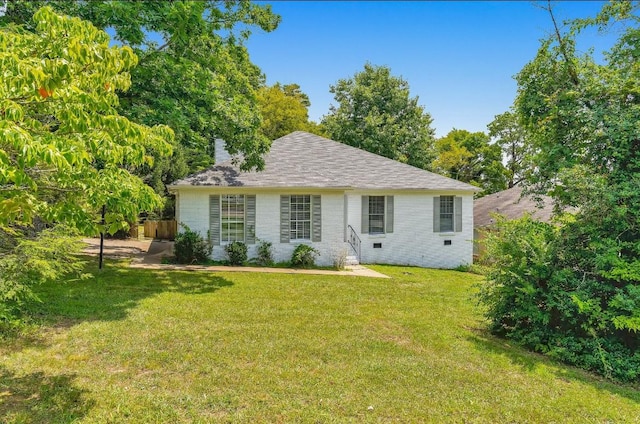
(512,205)
(306,160)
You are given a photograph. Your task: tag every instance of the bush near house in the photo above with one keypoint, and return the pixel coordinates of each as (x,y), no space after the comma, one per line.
(265,253)
(304,256)
(236,253)
(190,247)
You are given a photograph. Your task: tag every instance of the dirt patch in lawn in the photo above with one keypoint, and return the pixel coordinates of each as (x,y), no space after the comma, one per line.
(141,251)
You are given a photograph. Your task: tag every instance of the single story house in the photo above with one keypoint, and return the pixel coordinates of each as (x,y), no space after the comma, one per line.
(336,198)
(511,204)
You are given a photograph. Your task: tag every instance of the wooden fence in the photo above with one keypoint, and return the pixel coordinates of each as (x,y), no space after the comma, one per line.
(161,229)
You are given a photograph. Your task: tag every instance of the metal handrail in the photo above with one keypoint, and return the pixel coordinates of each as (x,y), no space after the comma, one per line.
(354,241)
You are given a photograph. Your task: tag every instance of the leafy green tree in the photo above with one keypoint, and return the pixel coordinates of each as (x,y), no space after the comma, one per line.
(64,150)
(293,90)
(194,73)
(374,112)
(507,132)
(581,117)
(283,109)
(472,158)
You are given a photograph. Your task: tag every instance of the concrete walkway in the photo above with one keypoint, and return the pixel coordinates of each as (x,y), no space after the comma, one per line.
(147,254)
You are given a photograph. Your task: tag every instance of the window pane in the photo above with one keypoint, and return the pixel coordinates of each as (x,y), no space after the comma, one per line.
(300,217)
(376,224)
(446,223)
(446,213)
(232,217)
(376,214)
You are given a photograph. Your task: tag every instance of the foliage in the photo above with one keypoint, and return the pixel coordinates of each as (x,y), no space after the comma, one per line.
(376,114)
(64,150)
(190,247)
(472,158)
(49,256)
(236,252)
(534,297)
(283,110)
(581,120)
(265,253)
(512,138)
(304,256)
(198,79)
(582,302)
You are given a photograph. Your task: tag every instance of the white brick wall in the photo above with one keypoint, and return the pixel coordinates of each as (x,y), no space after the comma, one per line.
(413,241)
(193,210)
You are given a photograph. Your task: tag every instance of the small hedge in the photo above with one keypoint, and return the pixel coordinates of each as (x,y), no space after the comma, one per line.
(265,254)
(236,253)
(190,247)
(304,256)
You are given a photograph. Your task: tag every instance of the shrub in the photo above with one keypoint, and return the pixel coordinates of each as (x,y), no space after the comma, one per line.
(236,252)
(29,260)
(265,254)
(339,257)
(515,292)
(538,295)
(304,256)
(190,247)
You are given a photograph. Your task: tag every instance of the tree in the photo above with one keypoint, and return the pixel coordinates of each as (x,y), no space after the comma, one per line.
(470,157)
(64,150)
(197,78)
(375,113)
(581,118)
(283,109)
(511,137)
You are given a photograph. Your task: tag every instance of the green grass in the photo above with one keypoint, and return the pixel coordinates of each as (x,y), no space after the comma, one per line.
(141,346)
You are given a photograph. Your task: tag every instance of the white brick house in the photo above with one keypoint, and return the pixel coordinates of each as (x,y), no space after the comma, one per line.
(336,198)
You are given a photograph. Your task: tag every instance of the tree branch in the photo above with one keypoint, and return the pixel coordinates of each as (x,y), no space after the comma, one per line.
(563,47)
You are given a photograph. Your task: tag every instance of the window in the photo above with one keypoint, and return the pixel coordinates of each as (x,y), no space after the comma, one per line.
(446,214)
(376,214)
(300,217)
(232,217)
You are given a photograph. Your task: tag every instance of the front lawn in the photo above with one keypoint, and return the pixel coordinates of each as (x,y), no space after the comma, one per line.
(142,346)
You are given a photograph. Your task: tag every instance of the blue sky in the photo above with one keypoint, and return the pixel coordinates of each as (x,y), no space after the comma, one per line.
(459,58)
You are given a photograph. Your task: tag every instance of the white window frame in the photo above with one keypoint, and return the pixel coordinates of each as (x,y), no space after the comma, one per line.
(226,220)
(447,212)
(300,219)
(372,200)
